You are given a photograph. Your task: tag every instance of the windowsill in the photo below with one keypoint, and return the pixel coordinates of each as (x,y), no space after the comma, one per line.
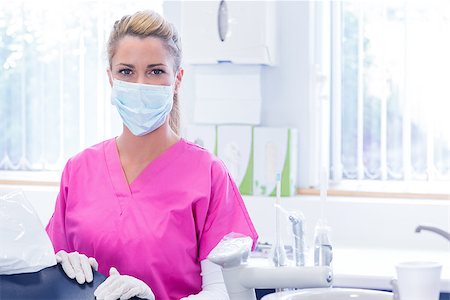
(361,189)
(384,189)
(30,178)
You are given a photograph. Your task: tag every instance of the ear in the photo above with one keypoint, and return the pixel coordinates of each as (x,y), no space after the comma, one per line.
(178,80)
(108,71)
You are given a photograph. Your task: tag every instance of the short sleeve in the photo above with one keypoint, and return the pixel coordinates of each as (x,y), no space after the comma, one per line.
(56,228)
(226,212)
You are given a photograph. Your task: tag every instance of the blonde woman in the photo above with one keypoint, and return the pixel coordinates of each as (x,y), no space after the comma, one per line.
(146,206)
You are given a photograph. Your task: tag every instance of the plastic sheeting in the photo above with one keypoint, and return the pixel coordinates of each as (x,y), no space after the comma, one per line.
(25,245)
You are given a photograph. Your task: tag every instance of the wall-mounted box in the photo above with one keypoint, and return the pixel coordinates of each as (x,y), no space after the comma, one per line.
(235,149)
(275,151)
(241,32)
(227,94)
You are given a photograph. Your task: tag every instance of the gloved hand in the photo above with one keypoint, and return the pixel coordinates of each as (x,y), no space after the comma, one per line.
(122,287)
(77,265)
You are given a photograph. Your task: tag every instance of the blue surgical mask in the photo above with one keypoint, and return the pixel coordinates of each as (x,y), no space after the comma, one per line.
(143,107)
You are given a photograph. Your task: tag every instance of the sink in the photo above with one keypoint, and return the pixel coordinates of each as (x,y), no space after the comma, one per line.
(330,294)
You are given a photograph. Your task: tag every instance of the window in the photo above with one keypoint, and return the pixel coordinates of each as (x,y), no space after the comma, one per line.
(53,83)
(390,98)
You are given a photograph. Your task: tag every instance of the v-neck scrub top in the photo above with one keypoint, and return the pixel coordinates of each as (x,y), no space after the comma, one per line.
(159,227)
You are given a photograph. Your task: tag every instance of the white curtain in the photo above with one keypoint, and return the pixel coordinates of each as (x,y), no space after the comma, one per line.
(394,97)
(54,94)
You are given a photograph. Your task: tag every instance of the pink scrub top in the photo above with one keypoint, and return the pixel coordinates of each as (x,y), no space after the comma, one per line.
(159,227)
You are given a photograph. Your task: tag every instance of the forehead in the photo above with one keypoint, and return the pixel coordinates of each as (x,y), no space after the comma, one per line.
(136,50)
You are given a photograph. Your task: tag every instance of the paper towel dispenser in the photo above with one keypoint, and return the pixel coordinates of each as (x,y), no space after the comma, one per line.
(241,32)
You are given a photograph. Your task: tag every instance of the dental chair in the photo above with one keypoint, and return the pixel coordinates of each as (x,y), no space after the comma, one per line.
(24,248)
(49,283)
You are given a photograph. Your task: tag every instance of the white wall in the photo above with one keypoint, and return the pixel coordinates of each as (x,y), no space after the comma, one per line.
(360,222)
(284,88)
(356,222)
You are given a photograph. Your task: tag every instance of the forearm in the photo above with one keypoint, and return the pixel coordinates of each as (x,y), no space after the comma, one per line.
(213,285)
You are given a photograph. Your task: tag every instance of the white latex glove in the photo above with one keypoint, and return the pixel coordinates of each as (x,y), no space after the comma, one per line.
(77,265)
(122,287)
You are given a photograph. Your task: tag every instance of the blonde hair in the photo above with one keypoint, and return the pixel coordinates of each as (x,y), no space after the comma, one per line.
(150,24)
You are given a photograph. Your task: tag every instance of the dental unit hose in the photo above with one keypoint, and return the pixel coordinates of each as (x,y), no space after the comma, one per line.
(323,250)
(279,253)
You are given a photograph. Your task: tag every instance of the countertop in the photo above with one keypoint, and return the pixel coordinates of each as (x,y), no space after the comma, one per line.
(374,268)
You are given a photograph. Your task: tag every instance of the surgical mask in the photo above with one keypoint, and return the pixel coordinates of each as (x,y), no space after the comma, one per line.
(143,107)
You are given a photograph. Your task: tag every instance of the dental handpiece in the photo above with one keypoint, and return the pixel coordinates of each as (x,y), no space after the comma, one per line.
(299,245)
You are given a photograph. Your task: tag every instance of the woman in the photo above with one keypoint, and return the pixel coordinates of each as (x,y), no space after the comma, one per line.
(147,204)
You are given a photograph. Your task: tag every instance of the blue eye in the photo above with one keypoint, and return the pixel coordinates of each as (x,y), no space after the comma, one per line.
(157,72)
(125,71)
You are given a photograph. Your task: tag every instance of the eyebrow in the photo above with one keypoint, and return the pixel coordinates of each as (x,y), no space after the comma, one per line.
(155,65)
(126,65)
(148,66)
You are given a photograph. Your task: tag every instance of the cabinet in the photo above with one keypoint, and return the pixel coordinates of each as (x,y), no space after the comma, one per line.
(240,32)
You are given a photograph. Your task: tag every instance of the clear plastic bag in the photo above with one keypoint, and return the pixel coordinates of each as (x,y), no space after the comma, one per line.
(25,246)
(233,250)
